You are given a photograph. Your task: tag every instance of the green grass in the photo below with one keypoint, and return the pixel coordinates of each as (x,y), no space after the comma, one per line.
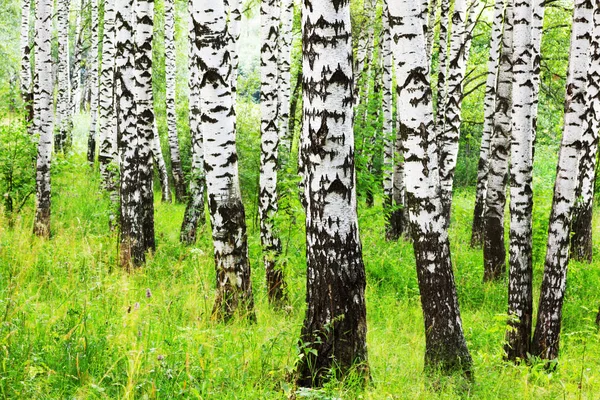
(74,325)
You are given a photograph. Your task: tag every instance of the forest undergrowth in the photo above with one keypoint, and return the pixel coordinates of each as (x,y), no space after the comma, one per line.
(74,325)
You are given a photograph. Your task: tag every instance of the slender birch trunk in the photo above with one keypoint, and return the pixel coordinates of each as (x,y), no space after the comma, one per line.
(62,101)
(217,122)
(450,134)
(76,72)
(488,123)
(335,324)
(443,63)
(494,252)
(399,218)
(446,347)
(234,28)
(520,277)
(268,199)
(93,82)
(194,212)
(285,78)
(433,8)
(539,8)
(132,244)
(43,118)
(170,71)
(161,166)
(26,78)
(108,151)
(547,332)
(581,240)
(388,128)
(365,50)
(144,102)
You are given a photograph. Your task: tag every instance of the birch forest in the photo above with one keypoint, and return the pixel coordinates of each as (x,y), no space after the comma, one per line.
(299,199)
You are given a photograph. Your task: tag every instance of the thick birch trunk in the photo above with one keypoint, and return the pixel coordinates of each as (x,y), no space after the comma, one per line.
(488,123)
(170,71)
(335,325)
(446,347)
(443,61)
(194,212)
(234,287)
(43,118)
(494,252)
(285,78)
(520,300)
(547,332)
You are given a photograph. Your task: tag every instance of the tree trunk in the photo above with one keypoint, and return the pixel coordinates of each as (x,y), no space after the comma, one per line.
(285,79)
(539,7)
(234,27)
(446,348)
(93,81)
(450,134)
(234,287)
(76,72)
(388,129)
(194,212)
(132,244)
(488,123)
(170,71)
(335,325)
(433,8)
(161,166)
(144,29)
(494,252)
(108,151)
(26,78)
(364,51)
(547,332)
(62,101)
(43,118)
(520,300)
(581,240)
(268,199)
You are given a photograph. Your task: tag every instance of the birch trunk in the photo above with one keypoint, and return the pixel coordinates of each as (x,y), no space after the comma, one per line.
(217,123)
(62,101)
(443,61)
(520,300)
(450,134)
(43,119)
(581,240)
(194,212)
(446,348)
(494,252)
(76,72)
(26,78)
(161,166)
(488,123)
(547,332)
(433,8)
(93,82)
(108,151)
(170,71)
(365,50)
(144,29)
(285,78)
(335,325)
(234,28)
(132,244)
(268,198)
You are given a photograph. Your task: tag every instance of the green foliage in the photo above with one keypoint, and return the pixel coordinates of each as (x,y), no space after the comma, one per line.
(17,164)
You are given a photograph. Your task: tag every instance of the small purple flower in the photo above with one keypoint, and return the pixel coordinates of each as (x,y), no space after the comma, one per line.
(148,293)
(160,357)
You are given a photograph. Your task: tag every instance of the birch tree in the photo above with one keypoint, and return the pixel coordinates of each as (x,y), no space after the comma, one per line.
(494,252)
(25,75)
(93,82)
(520,296)
(62,101)
(194,212)
(234,27)
(43,118)
(431,23)
(446,347)
(76,67)
(284,76)
(581,240)
(488,122)
(442,90)
(217,123)
(170,71)
(547,332)
(335,325)
(450,132)
(161,166)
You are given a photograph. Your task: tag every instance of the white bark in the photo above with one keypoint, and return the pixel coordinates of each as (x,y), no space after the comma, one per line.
(25,76)
(93,82)
(161,166)
(43,118)
(284,77)
(63,100)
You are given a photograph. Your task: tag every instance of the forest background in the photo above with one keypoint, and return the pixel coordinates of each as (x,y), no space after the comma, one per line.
(74,325)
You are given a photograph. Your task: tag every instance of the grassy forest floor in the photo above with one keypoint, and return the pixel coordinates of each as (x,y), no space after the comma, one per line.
(74,325)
